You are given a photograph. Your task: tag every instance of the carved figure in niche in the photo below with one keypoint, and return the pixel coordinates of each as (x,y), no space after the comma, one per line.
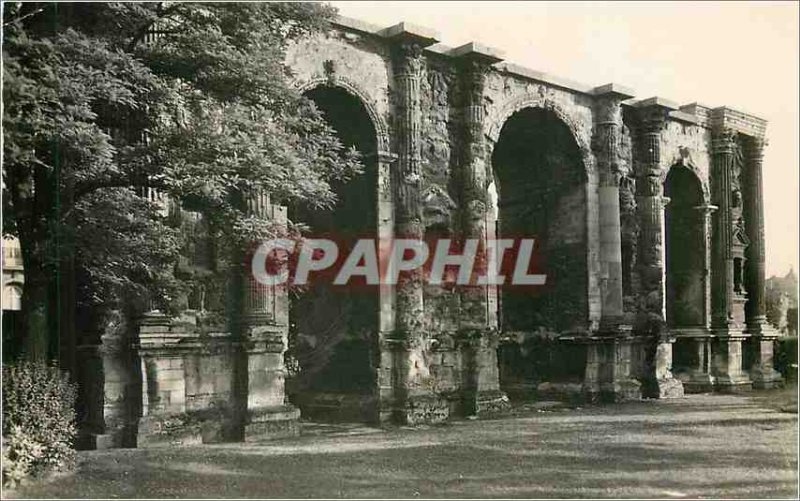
(627,198)
(653,186)
(685,154)
(736,198)
(438,88)
(437,207)
(329,67)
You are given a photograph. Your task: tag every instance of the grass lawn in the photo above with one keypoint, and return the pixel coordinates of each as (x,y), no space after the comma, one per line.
(697,446)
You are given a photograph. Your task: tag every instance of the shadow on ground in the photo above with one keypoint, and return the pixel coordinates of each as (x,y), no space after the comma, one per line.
(698,446)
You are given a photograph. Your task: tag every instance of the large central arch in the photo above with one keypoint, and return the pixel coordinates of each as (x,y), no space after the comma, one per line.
(334,329)
(540,180)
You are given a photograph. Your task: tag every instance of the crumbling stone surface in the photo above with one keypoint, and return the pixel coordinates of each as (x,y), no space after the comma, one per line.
(458,143)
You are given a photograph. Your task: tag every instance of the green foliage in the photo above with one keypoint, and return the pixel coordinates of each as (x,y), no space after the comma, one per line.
(38,420)
(108,101)
(786,357)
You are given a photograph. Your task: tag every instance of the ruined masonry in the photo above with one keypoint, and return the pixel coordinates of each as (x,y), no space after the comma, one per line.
(649,224)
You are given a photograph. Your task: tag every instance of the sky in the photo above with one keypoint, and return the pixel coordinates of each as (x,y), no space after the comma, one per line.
(743,55)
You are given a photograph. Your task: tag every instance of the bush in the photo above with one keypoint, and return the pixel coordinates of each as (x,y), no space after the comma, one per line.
(786,357)
(38,420)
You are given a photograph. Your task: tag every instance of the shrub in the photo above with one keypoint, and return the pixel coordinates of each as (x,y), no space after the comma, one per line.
(786,357)
(38,420)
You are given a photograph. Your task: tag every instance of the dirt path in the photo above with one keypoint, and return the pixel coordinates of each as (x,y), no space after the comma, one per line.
(698,446)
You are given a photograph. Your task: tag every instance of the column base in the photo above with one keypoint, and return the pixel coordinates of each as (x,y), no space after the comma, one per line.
(764,378)
(763,373)
(423,409)
(669,387)
(729,377)
(733,383)
(608,372)
(491,401)
(697,382)
(268,423)
(167,430)
(96,442)
(338,407)
(620,391)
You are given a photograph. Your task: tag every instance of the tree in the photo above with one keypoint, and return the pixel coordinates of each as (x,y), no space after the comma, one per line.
(105,101)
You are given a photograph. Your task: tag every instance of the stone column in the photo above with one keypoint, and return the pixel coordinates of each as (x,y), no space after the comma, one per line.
(722,316)
(606,145)
(615,382)
(707,210)
(162,344)
(388,368)
(414,400)
(763,335)
(482,391)
(107,385)
(727,349)
(263,338)
(650,203)
(700,378)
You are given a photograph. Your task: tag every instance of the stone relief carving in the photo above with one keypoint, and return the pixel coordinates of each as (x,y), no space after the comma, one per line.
(437,207)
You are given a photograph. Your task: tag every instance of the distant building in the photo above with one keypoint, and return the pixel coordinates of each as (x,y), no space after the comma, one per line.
(781,298)
(13,279)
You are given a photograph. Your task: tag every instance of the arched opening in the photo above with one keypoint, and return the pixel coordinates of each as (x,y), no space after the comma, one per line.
(684,249)
(540,184)
(333,329)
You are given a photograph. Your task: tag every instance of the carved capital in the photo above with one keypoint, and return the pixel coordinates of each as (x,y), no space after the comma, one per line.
(724,141)
(755,152)
(607,146)
(408,59)
(607,110)
(474,74)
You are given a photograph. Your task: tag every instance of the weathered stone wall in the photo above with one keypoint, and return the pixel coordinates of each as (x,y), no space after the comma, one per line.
(687,145)
(438,115)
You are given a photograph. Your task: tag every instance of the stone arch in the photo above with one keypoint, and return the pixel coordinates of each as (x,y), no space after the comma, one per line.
(689,165)
(685,248)
(496,121)
(543,192)
(354,89)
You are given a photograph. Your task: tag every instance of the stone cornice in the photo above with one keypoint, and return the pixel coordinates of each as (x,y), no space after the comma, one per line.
(691,114)
(728,118)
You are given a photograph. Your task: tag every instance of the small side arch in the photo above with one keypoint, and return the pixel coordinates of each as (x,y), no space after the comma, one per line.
(688,165)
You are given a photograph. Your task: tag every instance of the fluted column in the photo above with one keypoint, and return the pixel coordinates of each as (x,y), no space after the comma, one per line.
(763,372)
(722,314)
(407,346)
(754,223)
(481,391)
(650,202)
(609,361)
(727,357)
(706,210)
(473,186)
(260,368)
(408,222)
(606,144)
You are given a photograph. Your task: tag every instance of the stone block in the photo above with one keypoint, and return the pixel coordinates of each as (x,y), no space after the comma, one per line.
(272,422)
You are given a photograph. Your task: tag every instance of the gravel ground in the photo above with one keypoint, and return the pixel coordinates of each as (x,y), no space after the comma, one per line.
(697,446)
